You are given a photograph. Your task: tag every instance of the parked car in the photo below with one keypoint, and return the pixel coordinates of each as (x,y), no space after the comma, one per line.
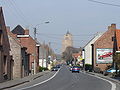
(54,69)
(110,71)
(75,69)
(58,66)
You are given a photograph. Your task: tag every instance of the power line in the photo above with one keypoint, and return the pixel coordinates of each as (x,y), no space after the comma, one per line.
(24,16)
(78,35)
(10,11)
(104,3)
(61,39)
(17,11)
(53,37)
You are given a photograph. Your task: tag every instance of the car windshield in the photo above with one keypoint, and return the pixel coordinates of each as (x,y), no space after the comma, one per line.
(76,67)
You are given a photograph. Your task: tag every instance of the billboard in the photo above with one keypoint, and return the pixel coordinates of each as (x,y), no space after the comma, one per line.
(104,55)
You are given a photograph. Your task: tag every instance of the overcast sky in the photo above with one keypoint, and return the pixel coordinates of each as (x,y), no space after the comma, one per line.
(81,17)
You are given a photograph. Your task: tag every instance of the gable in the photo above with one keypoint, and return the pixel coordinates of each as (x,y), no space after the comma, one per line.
(18,30)
(105,41)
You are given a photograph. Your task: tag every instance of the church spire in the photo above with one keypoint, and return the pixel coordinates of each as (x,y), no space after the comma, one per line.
(67,32)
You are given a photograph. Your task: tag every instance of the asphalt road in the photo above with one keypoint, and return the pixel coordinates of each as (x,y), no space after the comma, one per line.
(66,80)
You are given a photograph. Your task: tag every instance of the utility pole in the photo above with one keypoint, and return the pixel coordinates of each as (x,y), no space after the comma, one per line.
(35,50)
(83,56)
(35,38)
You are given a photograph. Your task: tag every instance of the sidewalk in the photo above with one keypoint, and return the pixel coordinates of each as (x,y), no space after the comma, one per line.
(12,83)
(113,79)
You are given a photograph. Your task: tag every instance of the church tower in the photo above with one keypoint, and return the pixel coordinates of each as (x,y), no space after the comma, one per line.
(67,41)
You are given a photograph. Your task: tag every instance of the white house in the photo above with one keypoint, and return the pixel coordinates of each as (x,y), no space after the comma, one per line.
(88,48)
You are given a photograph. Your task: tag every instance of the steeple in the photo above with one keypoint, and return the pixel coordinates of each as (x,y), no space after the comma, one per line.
(67,32)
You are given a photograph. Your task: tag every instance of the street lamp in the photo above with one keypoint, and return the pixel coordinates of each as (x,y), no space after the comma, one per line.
(35,38)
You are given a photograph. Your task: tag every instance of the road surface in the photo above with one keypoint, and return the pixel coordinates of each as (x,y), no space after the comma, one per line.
(66,80)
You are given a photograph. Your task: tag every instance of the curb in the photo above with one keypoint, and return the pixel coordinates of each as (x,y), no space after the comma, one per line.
(105,77)
(14,85)
(23,82)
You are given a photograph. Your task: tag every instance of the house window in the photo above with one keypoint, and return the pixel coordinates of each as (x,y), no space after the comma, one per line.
(113,38)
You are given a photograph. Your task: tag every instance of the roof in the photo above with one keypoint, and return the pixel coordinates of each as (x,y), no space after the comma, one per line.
(97,35)
(111,28)
(118,38)
(14,36)
(68,32)
(18,30)
(0,14)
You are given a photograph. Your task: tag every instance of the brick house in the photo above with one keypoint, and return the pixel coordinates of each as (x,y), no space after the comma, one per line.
(5,58)
(19,55)
(102,49)
(27,41)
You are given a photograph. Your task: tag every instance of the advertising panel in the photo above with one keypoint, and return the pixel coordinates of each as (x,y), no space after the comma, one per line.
(104,55)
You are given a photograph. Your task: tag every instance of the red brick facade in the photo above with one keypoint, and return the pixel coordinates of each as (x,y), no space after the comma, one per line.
(105,41)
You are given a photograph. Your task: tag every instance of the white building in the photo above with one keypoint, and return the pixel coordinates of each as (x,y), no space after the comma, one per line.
(88,48)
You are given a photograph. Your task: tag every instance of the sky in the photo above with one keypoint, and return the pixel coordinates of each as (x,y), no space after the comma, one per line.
(82,18)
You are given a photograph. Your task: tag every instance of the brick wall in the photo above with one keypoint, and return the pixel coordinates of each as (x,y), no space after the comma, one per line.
(5,60)
(105,41)
(30,44)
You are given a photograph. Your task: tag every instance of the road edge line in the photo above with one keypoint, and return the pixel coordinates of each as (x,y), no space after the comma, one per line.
(112,84)
(41,82)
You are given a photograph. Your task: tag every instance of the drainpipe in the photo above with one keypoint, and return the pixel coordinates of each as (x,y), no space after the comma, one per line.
(92,57)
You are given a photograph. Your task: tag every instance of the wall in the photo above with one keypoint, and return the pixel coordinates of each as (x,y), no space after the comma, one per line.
(88,49)
(5,58)
(105,41)
(17,57)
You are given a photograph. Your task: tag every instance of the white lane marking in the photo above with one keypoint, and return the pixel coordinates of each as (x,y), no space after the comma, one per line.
(40,82)
(113,84)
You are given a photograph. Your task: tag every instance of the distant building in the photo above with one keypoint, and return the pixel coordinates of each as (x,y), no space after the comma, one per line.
(88,49)
(67,41)
(43,55)
(5,58)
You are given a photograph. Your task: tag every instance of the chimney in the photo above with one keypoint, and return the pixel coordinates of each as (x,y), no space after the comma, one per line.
(26,32)
(113,26)
(109,27)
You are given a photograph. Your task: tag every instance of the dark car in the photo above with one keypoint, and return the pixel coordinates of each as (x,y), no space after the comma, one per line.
(58,66)
(75,69)
(54,69)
